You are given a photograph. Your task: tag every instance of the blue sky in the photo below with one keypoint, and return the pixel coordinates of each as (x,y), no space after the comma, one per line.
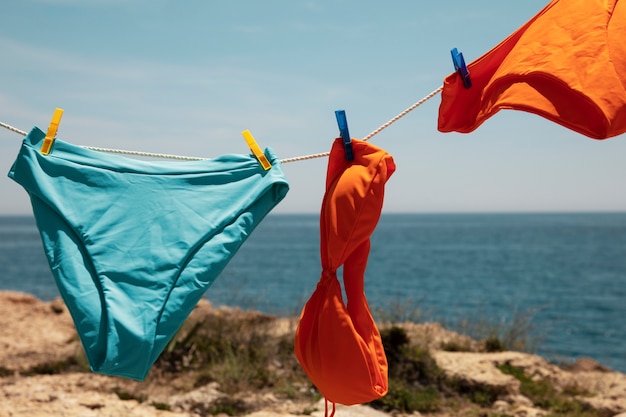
(187,77)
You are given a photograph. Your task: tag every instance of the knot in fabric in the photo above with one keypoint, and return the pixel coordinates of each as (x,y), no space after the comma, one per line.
(329,273)
(329,277)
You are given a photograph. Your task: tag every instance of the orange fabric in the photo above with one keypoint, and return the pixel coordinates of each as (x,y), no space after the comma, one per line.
(567,64)
(339,346)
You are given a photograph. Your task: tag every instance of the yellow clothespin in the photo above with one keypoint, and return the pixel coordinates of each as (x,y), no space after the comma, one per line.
(256,150)
(52,131)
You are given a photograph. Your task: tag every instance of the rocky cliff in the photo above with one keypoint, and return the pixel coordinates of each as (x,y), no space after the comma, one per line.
(43,373)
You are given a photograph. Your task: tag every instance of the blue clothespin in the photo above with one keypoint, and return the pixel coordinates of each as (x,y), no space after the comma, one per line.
(345,134)
(461,68)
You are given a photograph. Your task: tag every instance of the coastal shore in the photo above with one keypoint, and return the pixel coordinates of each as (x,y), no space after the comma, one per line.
(43,373)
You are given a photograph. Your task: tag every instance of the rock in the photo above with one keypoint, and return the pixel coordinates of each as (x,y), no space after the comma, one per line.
(273,413)
(596,386)
(70,395)
(348,411)
(433,336)
(198,399)
(518,400)
(478,370)
(524,411)
(34,333)
(585,365)
(604,391)
(501,406)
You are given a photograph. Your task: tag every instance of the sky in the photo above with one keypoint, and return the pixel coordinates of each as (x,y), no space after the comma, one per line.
(187,77)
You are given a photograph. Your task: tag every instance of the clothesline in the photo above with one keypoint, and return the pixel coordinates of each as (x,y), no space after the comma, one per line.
(293,159)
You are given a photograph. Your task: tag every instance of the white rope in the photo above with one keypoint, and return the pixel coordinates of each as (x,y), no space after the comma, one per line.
(375,132)
(284,161)
(118,151)
(404,113)
(6,126)
(304,157)
(147,154)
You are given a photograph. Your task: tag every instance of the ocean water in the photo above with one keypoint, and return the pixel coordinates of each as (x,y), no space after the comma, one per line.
(565,272)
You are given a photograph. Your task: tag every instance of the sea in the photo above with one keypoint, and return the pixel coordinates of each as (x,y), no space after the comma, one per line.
(559,279)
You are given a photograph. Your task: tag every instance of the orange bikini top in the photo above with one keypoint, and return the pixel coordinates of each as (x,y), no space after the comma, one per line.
(338,345)
(567,64)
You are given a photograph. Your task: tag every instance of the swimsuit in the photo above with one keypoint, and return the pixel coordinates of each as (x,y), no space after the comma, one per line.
(339,346)
(133,245)
(567,64)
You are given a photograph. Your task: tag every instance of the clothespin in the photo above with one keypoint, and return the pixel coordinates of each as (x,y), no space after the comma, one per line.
(256,150)
(52,131)
(461,68)
(345,134)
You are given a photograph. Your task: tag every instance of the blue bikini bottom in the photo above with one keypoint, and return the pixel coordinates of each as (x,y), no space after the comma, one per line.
(133,245)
